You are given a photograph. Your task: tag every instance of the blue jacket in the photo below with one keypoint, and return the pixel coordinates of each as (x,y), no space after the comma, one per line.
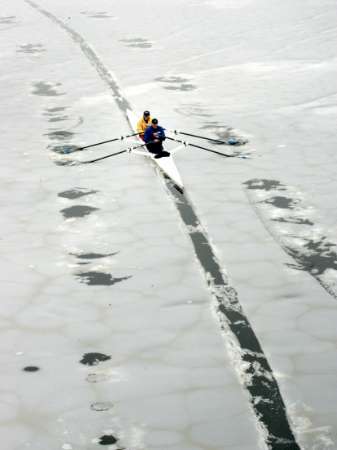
(151,134)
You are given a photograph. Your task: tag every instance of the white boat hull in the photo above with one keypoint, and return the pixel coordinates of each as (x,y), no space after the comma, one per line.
(166,164)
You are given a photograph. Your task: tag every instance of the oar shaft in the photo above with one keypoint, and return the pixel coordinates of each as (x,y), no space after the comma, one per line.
(109,140)
(200,137)
(129,149)
(104,157)
(202,148)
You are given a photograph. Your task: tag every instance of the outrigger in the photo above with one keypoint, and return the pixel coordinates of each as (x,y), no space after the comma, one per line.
(166,164)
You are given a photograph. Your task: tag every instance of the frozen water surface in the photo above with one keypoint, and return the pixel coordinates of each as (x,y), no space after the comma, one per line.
(135,318)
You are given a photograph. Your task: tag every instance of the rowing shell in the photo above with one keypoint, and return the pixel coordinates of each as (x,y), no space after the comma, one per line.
(166,164)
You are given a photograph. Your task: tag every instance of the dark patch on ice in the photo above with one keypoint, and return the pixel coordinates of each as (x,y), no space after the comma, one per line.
(92,359)
(46,89)
(108,439)
(137,42)
(31,369)
(314,254)
(78,211)
(31,48)
(66,162)
(101,406)
(95,278)
(7,20)
(181,87)
(75,193)
(97,14)
(93,255)
(58,119)
(316,258)
(176,83)
(172,79)
(60,135)
(224,133)
(63,149)
(188,110)
(271,410)
(55,109)
(54,114)
(264,185)
(296,220)
(281,202)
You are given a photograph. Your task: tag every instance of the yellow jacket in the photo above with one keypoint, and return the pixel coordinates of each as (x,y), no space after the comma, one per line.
(142,125)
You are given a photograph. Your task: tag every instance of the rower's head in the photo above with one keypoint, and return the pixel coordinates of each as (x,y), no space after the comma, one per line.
(146,115)
(154,123)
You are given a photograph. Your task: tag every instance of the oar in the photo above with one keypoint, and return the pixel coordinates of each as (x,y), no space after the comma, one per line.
(129,149)
(231,141)
(78,149)
(202,148)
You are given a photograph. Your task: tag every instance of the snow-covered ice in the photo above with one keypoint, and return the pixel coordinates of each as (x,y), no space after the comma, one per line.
(132,317)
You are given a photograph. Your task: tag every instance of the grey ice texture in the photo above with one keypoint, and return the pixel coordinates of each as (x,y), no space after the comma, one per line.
(264,68)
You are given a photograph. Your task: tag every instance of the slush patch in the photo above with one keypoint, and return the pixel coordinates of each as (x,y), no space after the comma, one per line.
(95,278)
(7,19)
(291,223)
(75,193)
(55,114)
(137,43)
(31,48)
(93,255)
(60,135)
(31,369)
(92,359)
(97,377)
(194,110)
(224,133)
(176,83)
(78,211)
(55,110)
(97,14)
(172,79)
(46,89)
(65,162)
(58,119)
(181,87)
(101,406)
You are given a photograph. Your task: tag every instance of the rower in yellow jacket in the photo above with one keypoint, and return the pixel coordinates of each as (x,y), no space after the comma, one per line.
(143,123)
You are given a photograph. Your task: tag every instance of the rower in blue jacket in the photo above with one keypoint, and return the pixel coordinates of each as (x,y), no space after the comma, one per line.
(154,136)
